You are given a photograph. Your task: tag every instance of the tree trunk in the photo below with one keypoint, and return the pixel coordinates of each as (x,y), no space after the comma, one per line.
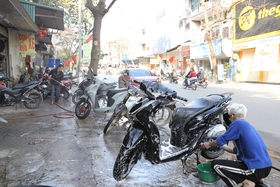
(98,12)
(95,52)
(209,40)
(212,55)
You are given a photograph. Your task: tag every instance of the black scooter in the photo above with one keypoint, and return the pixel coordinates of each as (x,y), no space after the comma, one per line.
(161,117)
(199,121)
(25,93)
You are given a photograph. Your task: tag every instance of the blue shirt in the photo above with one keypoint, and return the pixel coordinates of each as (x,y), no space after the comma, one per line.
(249,146)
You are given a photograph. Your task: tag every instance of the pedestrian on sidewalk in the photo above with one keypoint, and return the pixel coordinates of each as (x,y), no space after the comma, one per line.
(253,162)
(56,76)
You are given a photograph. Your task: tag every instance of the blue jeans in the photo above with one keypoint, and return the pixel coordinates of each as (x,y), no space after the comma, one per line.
(55,95)
(186,82)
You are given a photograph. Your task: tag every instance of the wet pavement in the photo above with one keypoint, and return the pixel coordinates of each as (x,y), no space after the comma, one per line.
(39,147)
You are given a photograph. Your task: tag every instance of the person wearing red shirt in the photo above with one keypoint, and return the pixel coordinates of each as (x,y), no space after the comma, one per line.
(190,76)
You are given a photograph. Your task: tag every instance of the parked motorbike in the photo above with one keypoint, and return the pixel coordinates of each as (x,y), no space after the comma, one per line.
(161,117)
(193,84)
(65,87)
(101,92)
(202,82)
(25,93)
(70,78)
(165,76)
(200,120)
(90,100)
(173,79)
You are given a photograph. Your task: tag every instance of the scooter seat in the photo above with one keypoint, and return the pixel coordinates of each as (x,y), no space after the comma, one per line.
(201,104)
(110,93)
(196,107)
(10,91)
(106,87)
(25,84)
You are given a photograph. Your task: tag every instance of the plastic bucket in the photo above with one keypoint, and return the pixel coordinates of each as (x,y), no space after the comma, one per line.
(206,173)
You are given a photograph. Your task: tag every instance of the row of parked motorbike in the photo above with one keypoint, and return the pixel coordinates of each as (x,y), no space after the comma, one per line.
(32,93)
(202,119)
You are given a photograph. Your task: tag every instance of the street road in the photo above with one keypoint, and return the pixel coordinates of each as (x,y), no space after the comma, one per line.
(68,152)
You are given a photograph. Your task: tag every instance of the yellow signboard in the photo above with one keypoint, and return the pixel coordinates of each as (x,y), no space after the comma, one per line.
(26,45)
(257,20)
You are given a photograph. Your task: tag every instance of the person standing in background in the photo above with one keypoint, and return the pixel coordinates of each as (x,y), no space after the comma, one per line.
(232,69)
(56,76)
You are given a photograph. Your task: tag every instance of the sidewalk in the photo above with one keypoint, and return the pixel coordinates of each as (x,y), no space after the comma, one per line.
(259,87)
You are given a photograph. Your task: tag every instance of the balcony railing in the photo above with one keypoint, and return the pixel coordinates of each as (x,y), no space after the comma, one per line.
(199,10)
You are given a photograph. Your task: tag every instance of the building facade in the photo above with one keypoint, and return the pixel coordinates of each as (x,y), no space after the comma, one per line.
(256,41)
(26,34)
(246,47)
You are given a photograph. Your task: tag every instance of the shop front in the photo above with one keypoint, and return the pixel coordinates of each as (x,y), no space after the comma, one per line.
(257,42)
(14,18)
(168,53)
(200,55)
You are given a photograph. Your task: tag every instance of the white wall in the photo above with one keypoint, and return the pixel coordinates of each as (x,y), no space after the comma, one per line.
(247,61)
(273,76)
(14,58)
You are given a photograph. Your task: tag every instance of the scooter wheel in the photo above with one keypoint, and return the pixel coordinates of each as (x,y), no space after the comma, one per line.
(76,98)
(66,94)
(129,155)
(184,86)
(204,85)
(119,112)
(163,116)
(194,86)
(34,100)
(82,109)
(115,118)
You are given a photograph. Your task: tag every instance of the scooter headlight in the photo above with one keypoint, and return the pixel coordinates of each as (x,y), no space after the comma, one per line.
(131,92)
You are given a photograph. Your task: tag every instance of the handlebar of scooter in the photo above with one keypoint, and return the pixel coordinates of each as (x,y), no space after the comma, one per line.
(136,81)
(165,91)
(133,88)
(181,98)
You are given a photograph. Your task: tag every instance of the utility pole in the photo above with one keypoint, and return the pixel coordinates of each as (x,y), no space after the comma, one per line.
(80,39)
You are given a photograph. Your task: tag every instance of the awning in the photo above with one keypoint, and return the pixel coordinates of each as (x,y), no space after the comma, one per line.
(49,17)
(46,16)
(13,15)
(47,39)
(174,48)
